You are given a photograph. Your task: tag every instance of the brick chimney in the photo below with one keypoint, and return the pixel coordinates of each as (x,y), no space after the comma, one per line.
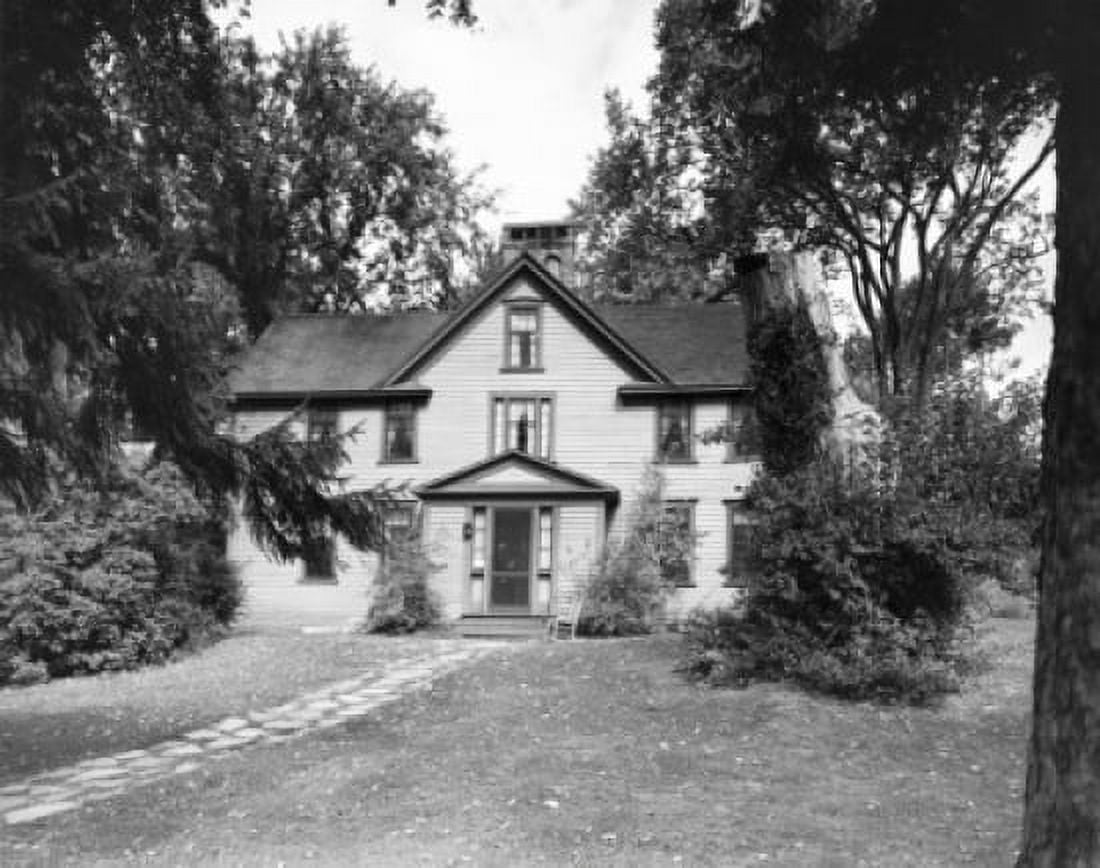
(552,242)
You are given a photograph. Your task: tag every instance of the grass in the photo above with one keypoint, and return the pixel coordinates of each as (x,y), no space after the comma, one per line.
(52,724)
(595,753)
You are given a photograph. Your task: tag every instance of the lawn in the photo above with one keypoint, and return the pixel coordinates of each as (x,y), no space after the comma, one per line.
(594,752)
(48,725)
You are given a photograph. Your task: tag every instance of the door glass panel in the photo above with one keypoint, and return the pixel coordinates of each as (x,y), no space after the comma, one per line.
(511,584)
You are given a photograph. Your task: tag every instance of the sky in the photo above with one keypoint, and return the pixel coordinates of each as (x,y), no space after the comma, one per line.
(522,92)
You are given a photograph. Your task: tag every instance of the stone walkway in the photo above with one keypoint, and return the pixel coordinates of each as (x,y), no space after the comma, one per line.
(67,788)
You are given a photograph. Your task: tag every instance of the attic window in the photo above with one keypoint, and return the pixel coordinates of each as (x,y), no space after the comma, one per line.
(522,344)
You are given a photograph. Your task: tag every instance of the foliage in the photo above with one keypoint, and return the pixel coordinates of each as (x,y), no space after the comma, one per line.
(771,125)
(790,387)
(111,579)
(162,187)
(402,600)
(860,592)
(632,578)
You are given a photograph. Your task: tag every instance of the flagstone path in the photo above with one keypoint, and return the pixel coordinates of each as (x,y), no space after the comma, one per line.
(69,787)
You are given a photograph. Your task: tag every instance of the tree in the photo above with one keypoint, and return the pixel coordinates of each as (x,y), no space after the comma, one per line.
(331,189)
(972,57)
(779,121)
(112,113)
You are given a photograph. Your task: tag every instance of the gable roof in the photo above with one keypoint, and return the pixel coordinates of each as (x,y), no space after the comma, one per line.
(688,345)
(325,353)
(581,313)
(515,474)
(694,344)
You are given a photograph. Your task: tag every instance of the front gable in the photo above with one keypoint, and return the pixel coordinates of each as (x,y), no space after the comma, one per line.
(515,474)
(526,281)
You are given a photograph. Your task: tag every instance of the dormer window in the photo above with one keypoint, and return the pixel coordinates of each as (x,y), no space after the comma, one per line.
(522,339)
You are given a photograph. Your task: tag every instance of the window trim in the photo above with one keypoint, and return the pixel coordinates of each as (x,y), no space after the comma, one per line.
(414,412)
(327,578)
(689,438)
(318,419)
(689,504)
(412,507)
(732,456)
(731,579)
(522,307)
(538,398)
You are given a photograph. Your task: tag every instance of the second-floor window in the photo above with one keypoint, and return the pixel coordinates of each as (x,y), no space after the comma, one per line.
(399,434)
(522,422)
(522,339)
(320,425)
(744,433)
(674,431)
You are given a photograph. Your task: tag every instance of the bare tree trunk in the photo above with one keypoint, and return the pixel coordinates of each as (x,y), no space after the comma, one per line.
(1062,812)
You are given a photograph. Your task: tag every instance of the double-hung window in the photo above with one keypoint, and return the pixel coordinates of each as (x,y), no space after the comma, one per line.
(321,425)
(676,542)
(674,431)
(743,559)
(319,558)
(522,422)
(522,338)
(399,522)
(744,433)
(399,435)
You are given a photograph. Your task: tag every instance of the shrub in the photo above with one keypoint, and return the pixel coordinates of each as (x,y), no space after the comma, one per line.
(630,585)
(860,594)
(111,580)
(402,600)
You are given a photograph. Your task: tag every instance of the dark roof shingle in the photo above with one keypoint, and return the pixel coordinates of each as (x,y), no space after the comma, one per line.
(330,353)
(693,344)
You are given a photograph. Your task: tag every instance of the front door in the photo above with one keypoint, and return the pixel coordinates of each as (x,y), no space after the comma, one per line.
(510,574)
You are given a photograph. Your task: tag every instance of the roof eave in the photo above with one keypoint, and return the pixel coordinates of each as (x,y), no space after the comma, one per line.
(283,396)
(663,390)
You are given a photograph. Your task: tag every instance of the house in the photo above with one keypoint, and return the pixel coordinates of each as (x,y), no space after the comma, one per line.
(522,423)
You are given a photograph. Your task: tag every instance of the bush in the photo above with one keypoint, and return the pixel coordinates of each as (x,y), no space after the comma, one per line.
(627,593)
(402,600)
(115,580)
(860,595)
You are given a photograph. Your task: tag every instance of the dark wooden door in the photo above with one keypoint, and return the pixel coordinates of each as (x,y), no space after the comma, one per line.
(510,583)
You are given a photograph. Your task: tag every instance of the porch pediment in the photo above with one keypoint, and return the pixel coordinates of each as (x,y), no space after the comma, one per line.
(516,474)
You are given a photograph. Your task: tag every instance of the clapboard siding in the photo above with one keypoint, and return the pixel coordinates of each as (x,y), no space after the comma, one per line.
(593,433)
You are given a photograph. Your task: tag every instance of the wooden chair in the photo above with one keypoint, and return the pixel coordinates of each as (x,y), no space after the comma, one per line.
(569,618)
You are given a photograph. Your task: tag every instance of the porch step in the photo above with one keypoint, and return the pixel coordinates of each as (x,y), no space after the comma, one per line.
(504,626)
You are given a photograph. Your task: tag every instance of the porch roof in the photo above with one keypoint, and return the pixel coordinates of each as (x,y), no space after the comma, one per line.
(515,474)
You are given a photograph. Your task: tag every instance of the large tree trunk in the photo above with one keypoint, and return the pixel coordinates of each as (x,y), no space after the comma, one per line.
(1062,812)
(794,279)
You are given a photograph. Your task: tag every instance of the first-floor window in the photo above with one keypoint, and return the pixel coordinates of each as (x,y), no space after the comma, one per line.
(743,561)
(522,422)
(546,541)
(319,556)
(477,542)
(399,523)
(676,542)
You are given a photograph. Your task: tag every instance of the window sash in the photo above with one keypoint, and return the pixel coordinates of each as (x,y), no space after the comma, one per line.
(319,558)
(743,558)
(320,425)
(522,338)
(744,432)
(400,432)
(677,518)
(522,422)
(674,431)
